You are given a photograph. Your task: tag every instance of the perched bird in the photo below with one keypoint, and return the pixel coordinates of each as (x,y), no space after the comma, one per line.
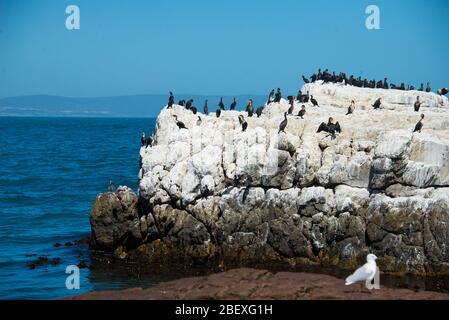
(298,96)
(180,124)
(205,108)
(189,103)
(419,125)
(417,104)
(314,102)
(377,103)
(292,104)
(421,88)
(305,79)
(302,112)
(233,105)
(243,123)
(171,100)
(283,124)
(428,87)
(182,103)
(218,113)
(442,91)
(221,104)
(250,108)
(305,97)
(143,139)
(351,107)
(198,122)
(111,187)
(270,97)
(193,109)
(365,272)
(278,96)
(259,111)
(330,127)
(150,140)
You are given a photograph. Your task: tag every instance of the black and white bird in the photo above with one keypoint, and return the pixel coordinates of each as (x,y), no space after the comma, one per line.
(250,108)
(143,139)
(243,123)
(330,127)
(218,113)
(283,124)
(351,108)
(419,125)
(198,122)
(417,104)
(442,91)
(180,124)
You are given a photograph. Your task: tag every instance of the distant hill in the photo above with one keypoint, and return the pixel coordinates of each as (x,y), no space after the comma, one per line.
(145,105)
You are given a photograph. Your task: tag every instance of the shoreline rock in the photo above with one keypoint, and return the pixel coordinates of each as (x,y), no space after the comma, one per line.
(248,284)
(213,193)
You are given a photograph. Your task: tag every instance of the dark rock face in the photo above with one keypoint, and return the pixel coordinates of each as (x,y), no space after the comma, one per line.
(114,219)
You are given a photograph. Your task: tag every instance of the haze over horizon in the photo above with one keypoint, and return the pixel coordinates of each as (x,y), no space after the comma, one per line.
(214,48)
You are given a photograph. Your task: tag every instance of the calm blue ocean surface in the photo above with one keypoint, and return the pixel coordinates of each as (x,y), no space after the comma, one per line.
(51,169)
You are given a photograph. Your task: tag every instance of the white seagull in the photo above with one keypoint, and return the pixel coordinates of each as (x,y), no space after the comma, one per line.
(365,272)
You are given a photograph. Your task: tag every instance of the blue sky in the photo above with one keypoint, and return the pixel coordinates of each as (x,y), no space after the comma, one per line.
(214,47)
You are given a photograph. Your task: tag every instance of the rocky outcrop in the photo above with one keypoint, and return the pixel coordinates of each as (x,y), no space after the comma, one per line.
(213,191)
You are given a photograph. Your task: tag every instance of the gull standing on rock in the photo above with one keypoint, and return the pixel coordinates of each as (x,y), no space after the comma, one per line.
(365,272)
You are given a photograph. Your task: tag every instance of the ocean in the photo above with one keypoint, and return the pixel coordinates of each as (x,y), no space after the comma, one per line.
(51,169)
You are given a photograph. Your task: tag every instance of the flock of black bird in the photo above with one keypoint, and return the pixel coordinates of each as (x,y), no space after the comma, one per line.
(328,77)
(331,127)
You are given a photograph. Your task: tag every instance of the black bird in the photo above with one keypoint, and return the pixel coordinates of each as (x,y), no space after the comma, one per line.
(221,104)
(259,111)
(421,88)
(278,96)
(428,87)
(314,102)
(291,100)
(417,104)
(377,103)
(189,103)
(143,139)
(283,124)
(171,100)
(351,107)
(243,123)
(150,140)
(206,108)
(182,103)
(305,79)
(180,124)
(193,109)
(330,127)
(218,113)
(442,91)
(233,105)
(305,97)
(419,125)
(299,95)
(302,112)
(270,97)
(250,108)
